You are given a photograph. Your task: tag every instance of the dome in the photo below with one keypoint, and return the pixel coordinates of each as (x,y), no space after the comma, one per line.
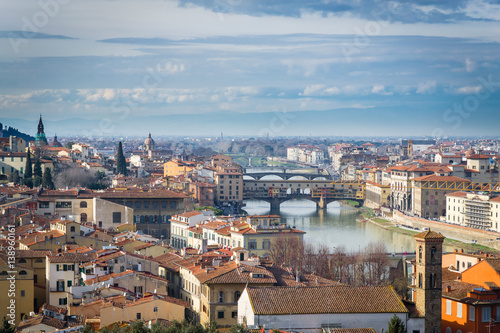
(56,143)
(149,143)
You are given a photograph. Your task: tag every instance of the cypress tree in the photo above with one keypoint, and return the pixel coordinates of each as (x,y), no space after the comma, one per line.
(121,164)
(47,182)
(37,170)
(28,172)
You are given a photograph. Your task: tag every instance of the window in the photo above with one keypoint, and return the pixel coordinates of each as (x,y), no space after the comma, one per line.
(420,280)
(69,283)
(234,314)
(35,278)
(155,204)
(23,273)
(237,295)
(83,204)
(433,253)
(252,245)
(137,205)
(23,293)
(221,297)
(63,204)
(486,314)
(172,204)
(63,301)
(448,307)
(220,314)
(146,204)
(83,218)
(22,261)
(472,313)
(117,217)
(459,310)
(420,253)
(138,316)
(72,229)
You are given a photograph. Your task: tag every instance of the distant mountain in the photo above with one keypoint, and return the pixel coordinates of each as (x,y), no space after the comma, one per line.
(7,131)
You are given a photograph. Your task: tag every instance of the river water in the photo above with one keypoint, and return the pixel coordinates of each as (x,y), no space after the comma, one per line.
(334,226)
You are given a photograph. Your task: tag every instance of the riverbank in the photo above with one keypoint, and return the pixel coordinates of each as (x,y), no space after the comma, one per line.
(450,244)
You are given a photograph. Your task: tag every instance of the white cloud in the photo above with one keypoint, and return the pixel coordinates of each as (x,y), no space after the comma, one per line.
(469,90)
(378,88)
(470,65)
(426,87)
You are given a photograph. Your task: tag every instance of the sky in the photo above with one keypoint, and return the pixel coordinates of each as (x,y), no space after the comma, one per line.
(251,67)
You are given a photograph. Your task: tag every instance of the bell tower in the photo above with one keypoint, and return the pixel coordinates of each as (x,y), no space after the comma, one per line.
(428,278)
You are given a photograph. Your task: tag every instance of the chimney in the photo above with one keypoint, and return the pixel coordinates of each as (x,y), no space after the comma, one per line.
(448,289)
(461,250)
(456,250)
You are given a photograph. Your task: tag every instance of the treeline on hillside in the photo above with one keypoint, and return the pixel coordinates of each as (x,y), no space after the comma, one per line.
(8,131)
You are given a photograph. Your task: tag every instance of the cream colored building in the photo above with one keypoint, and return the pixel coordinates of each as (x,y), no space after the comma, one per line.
(473,210)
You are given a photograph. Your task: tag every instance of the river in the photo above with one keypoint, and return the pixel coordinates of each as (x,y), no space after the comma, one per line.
(334,226)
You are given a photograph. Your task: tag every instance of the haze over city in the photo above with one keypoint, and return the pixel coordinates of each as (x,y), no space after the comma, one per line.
(110,68)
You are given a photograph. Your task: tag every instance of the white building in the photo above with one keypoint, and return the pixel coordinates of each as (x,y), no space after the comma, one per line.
(473,210)
(180,223)
(309,309)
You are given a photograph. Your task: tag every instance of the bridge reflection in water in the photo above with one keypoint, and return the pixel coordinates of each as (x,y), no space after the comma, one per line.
(334,226)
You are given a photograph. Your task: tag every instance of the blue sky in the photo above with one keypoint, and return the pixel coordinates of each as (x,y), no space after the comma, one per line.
(179,67)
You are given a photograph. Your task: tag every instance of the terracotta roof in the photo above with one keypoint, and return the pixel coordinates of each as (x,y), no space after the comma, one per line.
(72,257)
(458,289)
(32,253)
(190,214)
(429,234)
(32,239)
(434,178)
(53,308)
(479,157)
(240,275)
(286,279)
(457,194)
(52,322)
(170,261)
(325,299)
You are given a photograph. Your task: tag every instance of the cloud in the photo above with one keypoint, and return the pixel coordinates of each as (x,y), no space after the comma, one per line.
(378,88)
(470,65)
(428,87)
(469,90)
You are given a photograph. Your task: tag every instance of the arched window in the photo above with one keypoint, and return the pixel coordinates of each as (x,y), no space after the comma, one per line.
(420,253)
(83,217)
(448,330)
(420,280)
(83,204)
(221,297)
(72,229)
(3,273)
(237,295)
(432,280)
(433,253)
(23,273)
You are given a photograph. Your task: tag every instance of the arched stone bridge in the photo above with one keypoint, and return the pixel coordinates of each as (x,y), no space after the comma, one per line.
(322,192)
(285,174)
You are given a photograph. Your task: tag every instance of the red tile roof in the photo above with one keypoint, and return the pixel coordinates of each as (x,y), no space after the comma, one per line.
(324,299)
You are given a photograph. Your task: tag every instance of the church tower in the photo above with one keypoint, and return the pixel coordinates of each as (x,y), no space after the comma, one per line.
(428,278)
(40,138)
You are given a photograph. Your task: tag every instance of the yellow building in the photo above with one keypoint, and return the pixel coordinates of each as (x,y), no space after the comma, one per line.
(17,290)
(222,286)
(36,261)
(148,308)
(377,195)
(177,167)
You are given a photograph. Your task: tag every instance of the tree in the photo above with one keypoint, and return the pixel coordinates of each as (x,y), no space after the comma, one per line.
(37,169)
(87,329)
(47,182)
(69,144)
(6,326)
(14,177)
(28,172)
(121,164)
(396,325)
